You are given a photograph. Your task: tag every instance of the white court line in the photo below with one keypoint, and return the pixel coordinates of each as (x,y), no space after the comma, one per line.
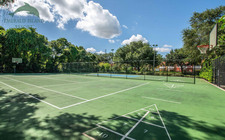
(162,122)
(74,81)
(114,132)
(104,96)
(141,121)
(30,95)
(134,126)
(70,80)
(42,76)
(144,122)
(161,100)
(47,89)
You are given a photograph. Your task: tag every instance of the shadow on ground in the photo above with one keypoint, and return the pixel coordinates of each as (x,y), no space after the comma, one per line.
(18,122)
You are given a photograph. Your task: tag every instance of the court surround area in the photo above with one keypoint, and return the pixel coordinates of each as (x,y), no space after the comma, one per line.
(70,106)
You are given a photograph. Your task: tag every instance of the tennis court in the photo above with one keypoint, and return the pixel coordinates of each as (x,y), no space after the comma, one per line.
(70,106)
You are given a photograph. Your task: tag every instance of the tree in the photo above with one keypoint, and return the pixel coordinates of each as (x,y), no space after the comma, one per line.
(222,30)
(136,54)
(62,51)
(26,44)
(198,34)
(177,57)
(2,40)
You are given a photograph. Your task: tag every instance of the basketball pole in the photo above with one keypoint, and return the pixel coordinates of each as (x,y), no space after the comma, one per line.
(14,69)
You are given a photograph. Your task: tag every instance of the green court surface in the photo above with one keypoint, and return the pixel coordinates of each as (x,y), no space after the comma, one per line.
(79,107)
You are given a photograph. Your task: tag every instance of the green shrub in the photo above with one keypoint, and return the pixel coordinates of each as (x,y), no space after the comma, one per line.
(206,71)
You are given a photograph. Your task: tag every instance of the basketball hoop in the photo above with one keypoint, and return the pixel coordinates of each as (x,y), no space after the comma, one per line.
(203,48)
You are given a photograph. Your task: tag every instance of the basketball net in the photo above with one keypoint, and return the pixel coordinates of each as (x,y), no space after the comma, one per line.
(203,48)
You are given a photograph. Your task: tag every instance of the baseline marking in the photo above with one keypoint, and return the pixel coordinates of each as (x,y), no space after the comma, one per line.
(104,96)
(47,89)
(135,126)
(30,95)
(161,100)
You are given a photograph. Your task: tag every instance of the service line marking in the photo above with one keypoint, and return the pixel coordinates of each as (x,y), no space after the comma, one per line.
(105,96)
(161,100)
(68,94)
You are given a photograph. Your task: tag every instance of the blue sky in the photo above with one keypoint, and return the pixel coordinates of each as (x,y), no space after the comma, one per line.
(156,21)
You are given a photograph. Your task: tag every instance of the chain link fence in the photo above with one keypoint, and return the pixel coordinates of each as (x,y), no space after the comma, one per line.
(219,71)
(142,70)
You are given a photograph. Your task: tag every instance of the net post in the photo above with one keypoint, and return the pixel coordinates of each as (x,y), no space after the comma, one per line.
(126,71)
(167,77)
(14,67)
(194,75)
(97,69)
(111,70)
(144,75)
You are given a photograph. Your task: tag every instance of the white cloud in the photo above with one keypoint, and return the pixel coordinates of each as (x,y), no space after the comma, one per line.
(167,46)
(135,39)
(91,16)
(91,50)
(111,41)
(124,26)
(162,50)
(101,52)
(67,10)
(99,22)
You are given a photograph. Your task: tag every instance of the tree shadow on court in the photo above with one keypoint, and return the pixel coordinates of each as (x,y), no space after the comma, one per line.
(15,111)
(176,124)
(178,127)
(18,120)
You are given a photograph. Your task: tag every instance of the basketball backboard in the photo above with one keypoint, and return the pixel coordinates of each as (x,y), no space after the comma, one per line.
(17,60)
(213,37)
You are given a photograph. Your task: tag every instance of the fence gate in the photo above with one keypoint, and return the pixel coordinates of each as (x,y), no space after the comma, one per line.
(219,71)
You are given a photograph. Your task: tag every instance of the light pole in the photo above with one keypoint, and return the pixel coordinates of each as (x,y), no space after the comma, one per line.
(154,45)
(112,53)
